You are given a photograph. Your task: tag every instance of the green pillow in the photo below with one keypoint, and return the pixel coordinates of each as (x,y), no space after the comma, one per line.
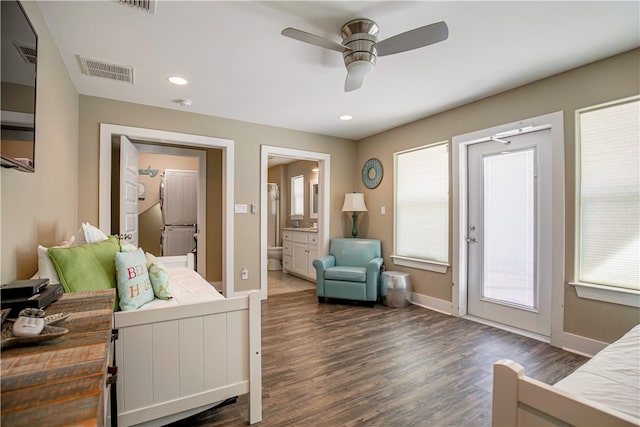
(87,267)
(134,285)
(159,278)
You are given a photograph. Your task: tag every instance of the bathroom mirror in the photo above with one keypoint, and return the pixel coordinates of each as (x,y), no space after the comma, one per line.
(313,198)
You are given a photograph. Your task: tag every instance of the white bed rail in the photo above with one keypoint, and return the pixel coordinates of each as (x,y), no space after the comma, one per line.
(522,401)
(180,360)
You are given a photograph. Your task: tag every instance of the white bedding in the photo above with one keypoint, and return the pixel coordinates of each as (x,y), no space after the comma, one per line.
(187,287)
(611,377)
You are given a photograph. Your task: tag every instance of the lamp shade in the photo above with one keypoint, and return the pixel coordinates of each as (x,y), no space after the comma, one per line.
(354,202)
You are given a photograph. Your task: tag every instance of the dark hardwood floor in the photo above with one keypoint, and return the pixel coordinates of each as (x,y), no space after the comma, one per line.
(347,365)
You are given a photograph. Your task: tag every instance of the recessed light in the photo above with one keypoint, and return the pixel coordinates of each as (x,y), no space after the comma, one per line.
(346,117)
(177,80)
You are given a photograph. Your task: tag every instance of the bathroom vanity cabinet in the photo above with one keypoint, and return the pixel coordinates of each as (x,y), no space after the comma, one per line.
(299,249)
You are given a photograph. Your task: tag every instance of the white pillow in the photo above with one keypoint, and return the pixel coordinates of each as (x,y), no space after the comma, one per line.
(93,234)
(87,233)
(45,265)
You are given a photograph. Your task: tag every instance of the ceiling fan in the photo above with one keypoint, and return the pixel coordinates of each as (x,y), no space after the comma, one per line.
(360,46)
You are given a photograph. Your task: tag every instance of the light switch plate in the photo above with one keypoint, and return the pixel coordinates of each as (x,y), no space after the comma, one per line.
(241,209)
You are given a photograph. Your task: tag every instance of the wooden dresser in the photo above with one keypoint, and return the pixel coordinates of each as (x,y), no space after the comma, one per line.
(62,381)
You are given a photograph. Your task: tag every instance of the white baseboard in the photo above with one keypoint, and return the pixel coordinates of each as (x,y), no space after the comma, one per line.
(432,303)
(581,345)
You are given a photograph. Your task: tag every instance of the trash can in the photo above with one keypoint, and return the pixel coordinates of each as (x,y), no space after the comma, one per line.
(395,289)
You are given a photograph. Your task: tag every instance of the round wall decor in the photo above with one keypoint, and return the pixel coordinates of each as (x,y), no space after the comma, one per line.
(372,173)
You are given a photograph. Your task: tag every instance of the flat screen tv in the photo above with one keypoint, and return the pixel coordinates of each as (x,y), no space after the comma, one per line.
(18,91)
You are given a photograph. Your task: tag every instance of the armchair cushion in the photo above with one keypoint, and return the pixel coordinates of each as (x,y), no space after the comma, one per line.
(349,274)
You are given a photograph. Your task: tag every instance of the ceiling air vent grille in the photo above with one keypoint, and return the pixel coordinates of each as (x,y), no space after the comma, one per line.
(147,5)
(107,70)
(28,53)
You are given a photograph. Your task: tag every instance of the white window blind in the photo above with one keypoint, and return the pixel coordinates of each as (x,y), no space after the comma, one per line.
(422,203)
(609,195)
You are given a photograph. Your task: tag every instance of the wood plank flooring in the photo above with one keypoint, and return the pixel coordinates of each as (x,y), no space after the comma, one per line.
(348,365)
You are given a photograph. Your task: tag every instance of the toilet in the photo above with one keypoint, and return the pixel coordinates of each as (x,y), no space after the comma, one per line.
(274,258)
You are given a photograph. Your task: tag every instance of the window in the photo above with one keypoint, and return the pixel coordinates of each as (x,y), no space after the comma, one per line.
(608,190)
(421,229)
(297,196)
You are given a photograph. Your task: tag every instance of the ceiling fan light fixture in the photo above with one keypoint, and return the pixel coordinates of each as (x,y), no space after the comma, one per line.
(360,68)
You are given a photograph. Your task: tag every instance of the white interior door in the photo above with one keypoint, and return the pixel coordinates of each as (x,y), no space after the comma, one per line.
(509,232)
(128,191)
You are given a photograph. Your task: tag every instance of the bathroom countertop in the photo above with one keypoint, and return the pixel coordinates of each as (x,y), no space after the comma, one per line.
(306,230)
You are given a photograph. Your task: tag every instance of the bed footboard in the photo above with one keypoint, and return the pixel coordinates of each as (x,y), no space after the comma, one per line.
(522,401)
(180,360)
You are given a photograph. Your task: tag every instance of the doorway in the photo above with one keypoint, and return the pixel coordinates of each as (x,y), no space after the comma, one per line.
(481,220)
(323,221)
(165,138)
(153,162)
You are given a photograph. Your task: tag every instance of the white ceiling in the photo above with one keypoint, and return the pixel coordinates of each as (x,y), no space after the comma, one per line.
(240,67)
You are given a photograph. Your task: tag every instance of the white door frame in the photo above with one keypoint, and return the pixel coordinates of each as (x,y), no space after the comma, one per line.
(460,144)
(324,191)
(107,131)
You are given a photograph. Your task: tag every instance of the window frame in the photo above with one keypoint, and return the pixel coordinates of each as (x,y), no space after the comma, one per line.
(595,291)
(422,263)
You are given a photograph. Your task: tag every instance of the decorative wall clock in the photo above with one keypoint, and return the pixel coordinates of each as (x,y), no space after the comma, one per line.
(372,173)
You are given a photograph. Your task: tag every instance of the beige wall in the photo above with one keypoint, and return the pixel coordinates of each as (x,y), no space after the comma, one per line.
(607,80)
(248,139)
(41,207)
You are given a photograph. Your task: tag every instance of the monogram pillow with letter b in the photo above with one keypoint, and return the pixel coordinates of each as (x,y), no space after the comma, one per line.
(134,285)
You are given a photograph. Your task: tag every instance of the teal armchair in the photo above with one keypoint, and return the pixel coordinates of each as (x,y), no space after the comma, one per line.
(350,271)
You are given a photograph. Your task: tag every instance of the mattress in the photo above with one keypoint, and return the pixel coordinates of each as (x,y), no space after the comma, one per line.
(611,377)
(187,287)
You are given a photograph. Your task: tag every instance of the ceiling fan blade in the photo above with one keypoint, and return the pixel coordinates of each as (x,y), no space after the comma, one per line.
(413,39)
(303,36)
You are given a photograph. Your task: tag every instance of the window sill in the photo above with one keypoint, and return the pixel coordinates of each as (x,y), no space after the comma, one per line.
(610,294)
(421,264)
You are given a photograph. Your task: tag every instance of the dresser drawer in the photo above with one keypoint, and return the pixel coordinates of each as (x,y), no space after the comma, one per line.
(313,238)
(300,236)
(286,247)
(286,262)
(286,235)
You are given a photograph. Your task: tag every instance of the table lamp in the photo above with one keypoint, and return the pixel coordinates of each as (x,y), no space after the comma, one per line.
(354,202)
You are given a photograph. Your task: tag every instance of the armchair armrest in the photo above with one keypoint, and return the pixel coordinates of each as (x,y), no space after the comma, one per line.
(373,277)
(321,264)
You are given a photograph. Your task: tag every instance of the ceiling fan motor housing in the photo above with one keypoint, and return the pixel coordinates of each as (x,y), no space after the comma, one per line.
(360,36)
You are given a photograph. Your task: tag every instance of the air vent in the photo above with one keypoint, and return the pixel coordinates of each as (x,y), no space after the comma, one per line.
(146,5)
(28,53)
(107,70)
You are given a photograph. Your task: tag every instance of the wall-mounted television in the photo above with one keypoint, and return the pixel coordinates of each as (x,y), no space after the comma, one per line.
(18,92)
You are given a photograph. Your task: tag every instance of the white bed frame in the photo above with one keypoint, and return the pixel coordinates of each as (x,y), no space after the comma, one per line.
(522,401)
(178,361)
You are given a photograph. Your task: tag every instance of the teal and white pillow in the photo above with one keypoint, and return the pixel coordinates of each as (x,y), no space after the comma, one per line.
(127,247)
(134,285)
(159,278)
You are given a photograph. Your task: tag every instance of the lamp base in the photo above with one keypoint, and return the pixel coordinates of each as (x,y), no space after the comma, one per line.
(354,232)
